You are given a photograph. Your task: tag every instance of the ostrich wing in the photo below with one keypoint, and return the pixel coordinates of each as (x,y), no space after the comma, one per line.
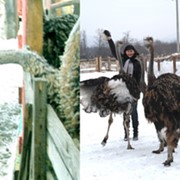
(87,89)
(163,98)
(169,88)
(105,95)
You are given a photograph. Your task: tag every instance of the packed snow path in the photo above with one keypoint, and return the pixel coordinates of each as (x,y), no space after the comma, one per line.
(114,161)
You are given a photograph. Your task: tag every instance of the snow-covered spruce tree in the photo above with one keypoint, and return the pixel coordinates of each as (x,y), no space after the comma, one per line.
(69,82)
(56,33)
(38,66)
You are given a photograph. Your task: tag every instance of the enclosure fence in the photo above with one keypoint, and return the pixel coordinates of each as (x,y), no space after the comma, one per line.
(99,64)
(44,138)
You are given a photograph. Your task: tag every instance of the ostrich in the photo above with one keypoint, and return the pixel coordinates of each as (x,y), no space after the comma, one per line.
(161,103)
(111,95)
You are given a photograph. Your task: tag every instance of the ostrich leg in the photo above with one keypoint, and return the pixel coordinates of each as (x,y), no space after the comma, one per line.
(161,148)
(169,156)
(126,125)
(172,142)
(110,121)
(161,131)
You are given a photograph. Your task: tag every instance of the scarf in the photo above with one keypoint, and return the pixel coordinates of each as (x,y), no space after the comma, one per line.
(128,67)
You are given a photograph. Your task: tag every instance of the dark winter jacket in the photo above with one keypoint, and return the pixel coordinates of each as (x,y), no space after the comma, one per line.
(136,63)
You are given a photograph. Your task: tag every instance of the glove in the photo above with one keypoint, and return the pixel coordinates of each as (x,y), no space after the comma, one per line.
(107,33)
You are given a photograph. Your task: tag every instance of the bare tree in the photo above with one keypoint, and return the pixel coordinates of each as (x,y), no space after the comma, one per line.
(127,38)
(100,42)
(100,48)
(83,45)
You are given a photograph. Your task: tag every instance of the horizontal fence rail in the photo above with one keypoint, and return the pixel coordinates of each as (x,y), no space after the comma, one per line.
(100,64)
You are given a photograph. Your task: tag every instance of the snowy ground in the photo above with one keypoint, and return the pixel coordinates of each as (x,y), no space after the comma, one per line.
(114,161)
(10,79)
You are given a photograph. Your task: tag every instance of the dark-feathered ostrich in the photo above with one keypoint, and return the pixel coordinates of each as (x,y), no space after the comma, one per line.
(162,106)
(111,95)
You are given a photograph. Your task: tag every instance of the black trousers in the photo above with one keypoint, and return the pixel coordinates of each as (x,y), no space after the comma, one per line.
(135,121)
(134,117)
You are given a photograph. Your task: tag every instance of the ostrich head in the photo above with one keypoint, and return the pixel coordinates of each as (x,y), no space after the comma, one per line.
(149,43)
(119,44)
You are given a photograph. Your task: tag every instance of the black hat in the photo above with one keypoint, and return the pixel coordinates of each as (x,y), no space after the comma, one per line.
(130,47)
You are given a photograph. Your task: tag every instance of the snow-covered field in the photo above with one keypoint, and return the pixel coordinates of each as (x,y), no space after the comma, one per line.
(11,77)
(114,161)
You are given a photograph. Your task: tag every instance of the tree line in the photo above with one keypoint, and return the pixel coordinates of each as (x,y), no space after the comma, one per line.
(100,46)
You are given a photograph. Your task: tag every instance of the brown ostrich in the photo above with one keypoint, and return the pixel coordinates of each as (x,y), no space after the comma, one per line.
(111,95)
(161,103)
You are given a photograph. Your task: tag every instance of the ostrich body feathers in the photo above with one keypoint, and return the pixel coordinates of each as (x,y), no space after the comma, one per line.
(106,95)
(162,107)
(163,99)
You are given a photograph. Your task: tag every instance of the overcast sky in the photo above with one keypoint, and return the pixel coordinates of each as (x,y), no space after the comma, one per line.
(140,18)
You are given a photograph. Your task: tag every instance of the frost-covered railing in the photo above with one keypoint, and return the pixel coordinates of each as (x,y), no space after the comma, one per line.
(99,64)
(45,138)
(173,57)
(110,64)
(50,7)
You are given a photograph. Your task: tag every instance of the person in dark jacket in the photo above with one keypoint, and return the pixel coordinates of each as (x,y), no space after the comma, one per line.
(132,66)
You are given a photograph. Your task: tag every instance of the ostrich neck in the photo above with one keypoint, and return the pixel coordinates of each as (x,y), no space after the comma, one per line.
(151,75)
(142,81)
(151,62)
(118,54)
(120,63)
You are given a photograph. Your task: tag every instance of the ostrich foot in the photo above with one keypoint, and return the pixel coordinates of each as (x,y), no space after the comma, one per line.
(168,162)
(129,147)
(157,151)
(104,141)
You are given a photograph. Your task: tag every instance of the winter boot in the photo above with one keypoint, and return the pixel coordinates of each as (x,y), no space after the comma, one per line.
(135,134)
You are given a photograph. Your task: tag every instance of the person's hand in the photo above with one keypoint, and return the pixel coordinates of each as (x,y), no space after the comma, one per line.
(107,33)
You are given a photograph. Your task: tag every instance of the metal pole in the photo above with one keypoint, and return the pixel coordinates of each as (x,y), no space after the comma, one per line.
(177,25)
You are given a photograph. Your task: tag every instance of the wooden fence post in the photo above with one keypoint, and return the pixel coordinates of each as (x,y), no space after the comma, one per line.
(109,64)
(38,158)
(174,65)
(96,60)
(117,65)
(158,63)
(98,64)
(33,24)
(25,158)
